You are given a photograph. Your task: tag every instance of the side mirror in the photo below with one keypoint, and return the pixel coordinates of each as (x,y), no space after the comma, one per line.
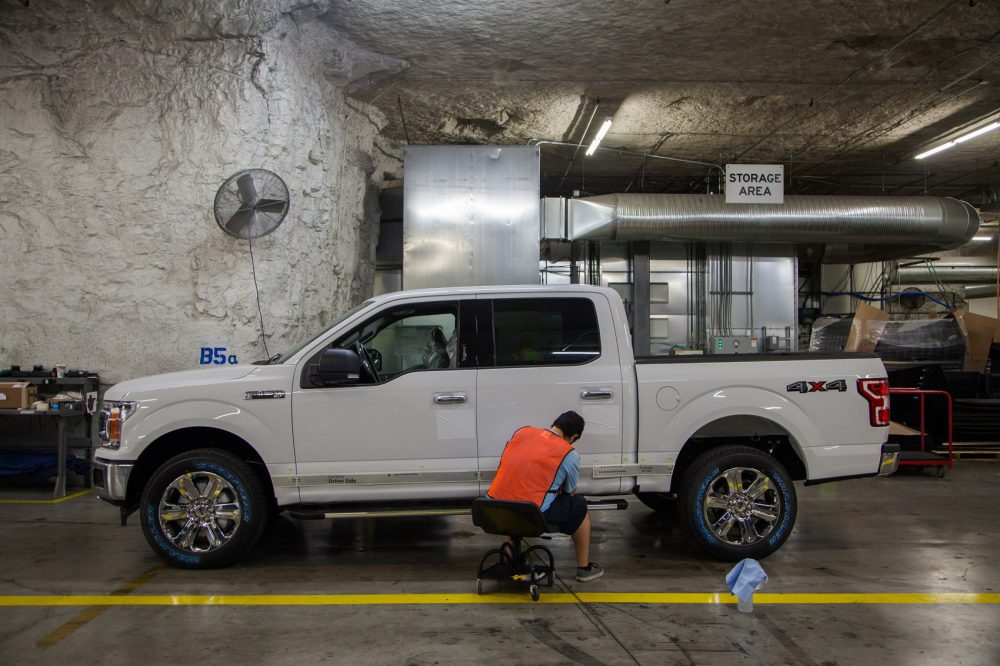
(339,366)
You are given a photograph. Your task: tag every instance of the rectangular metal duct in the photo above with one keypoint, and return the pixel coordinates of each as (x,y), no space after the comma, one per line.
(471,216)
(554,218)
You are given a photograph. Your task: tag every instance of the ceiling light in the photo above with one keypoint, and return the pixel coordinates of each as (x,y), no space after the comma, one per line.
(982,238)
(981,130)
(600,135)
(932,151)
(962,139)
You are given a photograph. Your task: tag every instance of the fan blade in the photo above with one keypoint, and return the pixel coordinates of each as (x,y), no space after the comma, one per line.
(248,193)
(271,205)
(240,220)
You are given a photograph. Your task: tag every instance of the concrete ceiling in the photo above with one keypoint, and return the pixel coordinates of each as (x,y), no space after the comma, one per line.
(842,92)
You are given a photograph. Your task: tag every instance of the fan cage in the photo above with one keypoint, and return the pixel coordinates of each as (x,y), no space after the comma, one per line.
(251,204)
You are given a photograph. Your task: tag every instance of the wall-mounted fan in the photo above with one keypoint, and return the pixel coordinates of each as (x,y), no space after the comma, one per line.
(251,203)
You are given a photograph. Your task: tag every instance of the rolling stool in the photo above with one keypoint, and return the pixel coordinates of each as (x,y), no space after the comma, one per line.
(516,520)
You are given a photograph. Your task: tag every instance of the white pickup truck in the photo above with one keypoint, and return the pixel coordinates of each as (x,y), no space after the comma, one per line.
(403,407)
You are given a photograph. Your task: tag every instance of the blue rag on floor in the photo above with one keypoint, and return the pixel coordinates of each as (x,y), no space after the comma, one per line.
(745,577)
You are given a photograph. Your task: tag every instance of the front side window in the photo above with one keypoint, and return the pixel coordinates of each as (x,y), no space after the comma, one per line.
(405,339)
(545,331)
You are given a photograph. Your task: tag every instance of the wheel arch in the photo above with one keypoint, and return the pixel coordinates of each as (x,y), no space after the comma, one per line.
(175,442)
(758,432)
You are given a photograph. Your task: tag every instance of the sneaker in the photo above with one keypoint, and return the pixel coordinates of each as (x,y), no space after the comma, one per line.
(592,571)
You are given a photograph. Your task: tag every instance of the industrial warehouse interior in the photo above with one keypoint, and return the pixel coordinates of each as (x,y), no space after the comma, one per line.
(452,332)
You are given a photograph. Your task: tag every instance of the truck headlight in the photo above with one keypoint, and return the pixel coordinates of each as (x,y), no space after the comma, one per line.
(110,419)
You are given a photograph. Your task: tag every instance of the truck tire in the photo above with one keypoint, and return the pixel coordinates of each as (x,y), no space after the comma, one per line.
(203,509)
(737,502)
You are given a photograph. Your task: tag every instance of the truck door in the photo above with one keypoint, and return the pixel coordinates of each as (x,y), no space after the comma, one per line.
(406,431)
(552,355)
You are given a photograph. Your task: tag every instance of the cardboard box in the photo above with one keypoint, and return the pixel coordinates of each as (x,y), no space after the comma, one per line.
(900,429)
(980,333)
(17,395)
(866,329)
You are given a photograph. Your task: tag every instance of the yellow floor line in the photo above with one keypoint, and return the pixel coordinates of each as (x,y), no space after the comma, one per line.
(507,598)
(94,611)
(79,493)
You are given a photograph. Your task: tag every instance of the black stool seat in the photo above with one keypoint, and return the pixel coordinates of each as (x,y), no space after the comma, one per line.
(517,520)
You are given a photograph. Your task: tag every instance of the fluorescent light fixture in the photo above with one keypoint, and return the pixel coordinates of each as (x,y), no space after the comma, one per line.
(962,139)
(978,132)
(982,238)
(934,151)
(600,135)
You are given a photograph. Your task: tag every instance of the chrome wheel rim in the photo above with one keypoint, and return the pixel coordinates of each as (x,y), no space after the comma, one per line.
(742,506)
(200,512)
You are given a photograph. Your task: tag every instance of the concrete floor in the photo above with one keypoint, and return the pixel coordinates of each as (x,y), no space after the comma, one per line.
(907,533)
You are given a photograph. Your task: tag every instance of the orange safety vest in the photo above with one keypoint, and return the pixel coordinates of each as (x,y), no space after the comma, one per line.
(528,465)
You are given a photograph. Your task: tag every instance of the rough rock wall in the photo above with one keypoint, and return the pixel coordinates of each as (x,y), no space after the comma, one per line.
(118,122)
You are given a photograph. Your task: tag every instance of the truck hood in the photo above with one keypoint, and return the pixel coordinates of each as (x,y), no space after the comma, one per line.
(132,387)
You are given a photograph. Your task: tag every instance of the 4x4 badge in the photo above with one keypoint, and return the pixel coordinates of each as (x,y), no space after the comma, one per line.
(809,386)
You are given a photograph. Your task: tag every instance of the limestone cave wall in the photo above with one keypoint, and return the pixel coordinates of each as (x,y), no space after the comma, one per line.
(118,123)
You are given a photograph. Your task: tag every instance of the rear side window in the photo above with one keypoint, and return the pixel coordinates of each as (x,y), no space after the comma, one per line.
(545,331)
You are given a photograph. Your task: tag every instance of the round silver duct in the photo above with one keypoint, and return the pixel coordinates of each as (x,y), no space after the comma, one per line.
(946,274)
(852,228)
(982,291)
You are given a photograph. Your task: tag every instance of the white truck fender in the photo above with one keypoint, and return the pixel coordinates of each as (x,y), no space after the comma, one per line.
(740,401)
(217,415)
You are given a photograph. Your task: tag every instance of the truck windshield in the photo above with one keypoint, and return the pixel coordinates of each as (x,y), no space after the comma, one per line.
(350,313)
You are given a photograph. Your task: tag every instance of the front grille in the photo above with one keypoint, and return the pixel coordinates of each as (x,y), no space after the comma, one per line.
(97,478)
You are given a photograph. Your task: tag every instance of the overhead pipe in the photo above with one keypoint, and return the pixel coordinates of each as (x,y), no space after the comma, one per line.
(945,274)
(853,229)
(981,291)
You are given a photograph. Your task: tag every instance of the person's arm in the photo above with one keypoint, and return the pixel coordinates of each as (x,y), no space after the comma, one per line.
(571,463)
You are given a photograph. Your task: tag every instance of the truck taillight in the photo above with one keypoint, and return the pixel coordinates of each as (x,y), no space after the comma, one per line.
(876,392)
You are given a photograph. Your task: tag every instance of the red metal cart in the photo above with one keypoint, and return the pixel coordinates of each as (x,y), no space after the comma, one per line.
(923,457)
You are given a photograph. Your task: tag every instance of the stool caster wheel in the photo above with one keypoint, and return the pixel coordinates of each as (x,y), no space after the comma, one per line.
(533,591)
(941,471)
(479,586)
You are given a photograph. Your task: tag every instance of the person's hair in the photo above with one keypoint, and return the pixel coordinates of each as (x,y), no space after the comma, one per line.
(570,423)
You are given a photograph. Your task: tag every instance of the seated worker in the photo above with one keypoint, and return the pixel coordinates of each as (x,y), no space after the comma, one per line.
(435,354)
(541,466)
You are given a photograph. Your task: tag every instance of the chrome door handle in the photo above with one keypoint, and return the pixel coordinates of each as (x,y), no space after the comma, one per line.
(449,399)
(596,394)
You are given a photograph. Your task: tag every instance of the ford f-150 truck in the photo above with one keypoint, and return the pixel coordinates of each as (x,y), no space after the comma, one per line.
(403,406)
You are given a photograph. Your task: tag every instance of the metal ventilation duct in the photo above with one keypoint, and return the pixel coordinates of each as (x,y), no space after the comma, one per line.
(982,291)
(852,229)
(946,274)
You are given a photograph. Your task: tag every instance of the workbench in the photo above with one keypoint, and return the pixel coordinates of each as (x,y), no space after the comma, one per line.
(63,416)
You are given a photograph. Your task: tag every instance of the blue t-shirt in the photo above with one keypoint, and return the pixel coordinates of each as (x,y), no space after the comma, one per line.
(566,478)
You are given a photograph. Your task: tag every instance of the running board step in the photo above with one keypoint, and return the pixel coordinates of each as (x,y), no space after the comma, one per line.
(607,505)
(378,513)
(352,512)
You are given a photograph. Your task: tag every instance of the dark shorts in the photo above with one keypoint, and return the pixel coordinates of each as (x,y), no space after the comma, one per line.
(566,512)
